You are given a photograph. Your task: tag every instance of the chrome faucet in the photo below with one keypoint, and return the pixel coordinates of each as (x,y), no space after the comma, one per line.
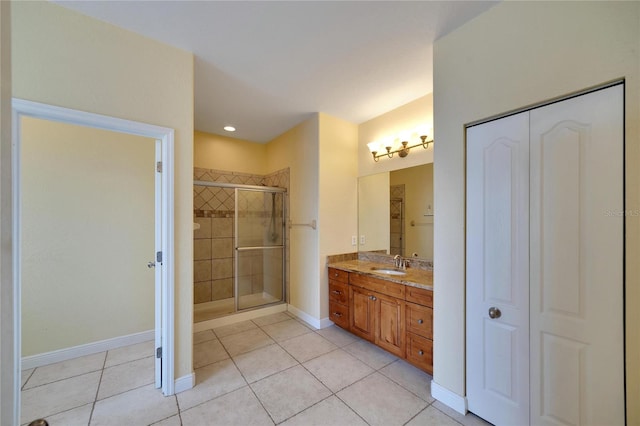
(399,262)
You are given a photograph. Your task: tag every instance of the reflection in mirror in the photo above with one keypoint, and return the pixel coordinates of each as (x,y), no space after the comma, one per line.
(395,212)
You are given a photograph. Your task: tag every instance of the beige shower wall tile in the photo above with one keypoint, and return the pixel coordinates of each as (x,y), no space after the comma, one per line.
(257,284)
(222,248)
(222,268)
(205,227)
(202,249)
(221,289)
(221,227)
(198,202)
(244,286)
(202,292)
(201,270)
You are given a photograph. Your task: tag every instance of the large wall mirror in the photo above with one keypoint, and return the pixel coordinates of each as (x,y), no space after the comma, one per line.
(395,212)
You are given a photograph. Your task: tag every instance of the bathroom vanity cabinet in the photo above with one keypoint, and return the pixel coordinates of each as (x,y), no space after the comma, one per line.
(394,316)
(339,297)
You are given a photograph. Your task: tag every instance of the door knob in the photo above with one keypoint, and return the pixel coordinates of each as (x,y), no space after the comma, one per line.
(494,312)
(151,265)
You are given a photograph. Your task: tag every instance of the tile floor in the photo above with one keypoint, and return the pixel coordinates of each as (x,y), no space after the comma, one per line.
(271,370)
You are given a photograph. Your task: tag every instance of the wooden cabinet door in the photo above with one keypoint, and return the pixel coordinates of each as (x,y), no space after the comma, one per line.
(361,313)
(390,323)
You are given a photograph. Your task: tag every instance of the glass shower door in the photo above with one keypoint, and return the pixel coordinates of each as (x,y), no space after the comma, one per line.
(259,248)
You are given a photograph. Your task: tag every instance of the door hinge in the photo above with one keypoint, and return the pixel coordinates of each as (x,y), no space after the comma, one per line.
(159,166)
(159,257)
(159,352)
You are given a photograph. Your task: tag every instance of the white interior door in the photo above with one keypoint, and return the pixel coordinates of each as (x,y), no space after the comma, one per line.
(577,360)
(498,270)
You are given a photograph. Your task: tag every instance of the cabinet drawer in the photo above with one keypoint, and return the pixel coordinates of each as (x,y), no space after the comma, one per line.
(339,275)
(420,320)
(420,352)
(376,284)
(339,314)
(338,292)
(420,296)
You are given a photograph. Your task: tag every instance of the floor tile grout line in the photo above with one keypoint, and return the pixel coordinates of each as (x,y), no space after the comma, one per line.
(351,408)
(415,415)
(261,404)
(451,417)
(27,381)
(61,380)
(106,367)
(95,399)
(319,402)
(278,372)
(337,347)
(332,393)
(125,391)
(310,359)
(178,406)
(77,375)
(279,343)
(247,384)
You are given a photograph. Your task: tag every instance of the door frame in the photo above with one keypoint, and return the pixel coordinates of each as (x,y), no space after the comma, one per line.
(164,137)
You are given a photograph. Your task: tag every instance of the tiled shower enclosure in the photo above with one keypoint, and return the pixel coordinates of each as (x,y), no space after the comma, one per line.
(260,272)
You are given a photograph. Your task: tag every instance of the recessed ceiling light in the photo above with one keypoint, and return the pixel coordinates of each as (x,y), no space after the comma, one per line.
(230,128)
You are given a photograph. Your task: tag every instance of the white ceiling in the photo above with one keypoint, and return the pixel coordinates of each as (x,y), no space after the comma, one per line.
(265,66)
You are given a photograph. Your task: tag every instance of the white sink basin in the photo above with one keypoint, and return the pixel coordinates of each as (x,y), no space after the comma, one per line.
(389,271)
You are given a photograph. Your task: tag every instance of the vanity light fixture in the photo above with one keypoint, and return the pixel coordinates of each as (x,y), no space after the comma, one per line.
(393,147)
(229,128)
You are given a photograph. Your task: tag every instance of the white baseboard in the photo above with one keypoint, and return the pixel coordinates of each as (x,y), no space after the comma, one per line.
(46,358)
(448,398)
(312,321)
(326,322)
(185,383)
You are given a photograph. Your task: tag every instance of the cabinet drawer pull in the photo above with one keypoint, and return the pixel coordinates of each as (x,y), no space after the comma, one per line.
(420,352)
(336,292)
(420,321)
(337,314)
(373,298)
(336,274)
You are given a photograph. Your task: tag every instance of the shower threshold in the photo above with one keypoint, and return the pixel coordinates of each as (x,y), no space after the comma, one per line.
(219,308)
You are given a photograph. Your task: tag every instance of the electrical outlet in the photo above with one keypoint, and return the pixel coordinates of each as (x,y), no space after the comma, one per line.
(362,240)
(354,240)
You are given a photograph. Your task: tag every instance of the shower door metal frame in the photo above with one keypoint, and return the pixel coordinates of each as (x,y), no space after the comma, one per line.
(238,249)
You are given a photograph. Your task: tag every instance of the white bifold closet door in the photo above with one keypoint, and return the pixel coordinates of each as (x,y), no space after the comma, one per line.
(545,249)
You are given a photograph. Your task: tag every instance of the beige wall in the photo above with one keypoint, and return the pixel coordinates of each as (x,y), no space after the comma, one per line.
(418,187)
(87,196)
(517,54)
(7,372)
(338,195)
(298,149)
(404,118)
(224,153)
(67,59)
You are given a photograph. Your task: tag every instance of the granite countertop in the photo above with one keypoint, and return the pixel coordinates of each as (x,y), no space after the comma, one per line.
(420,278)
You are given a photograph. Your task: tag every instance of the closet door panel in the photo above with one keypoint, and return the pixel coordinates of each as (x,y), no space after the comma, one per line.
(577,363)
(497,270)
